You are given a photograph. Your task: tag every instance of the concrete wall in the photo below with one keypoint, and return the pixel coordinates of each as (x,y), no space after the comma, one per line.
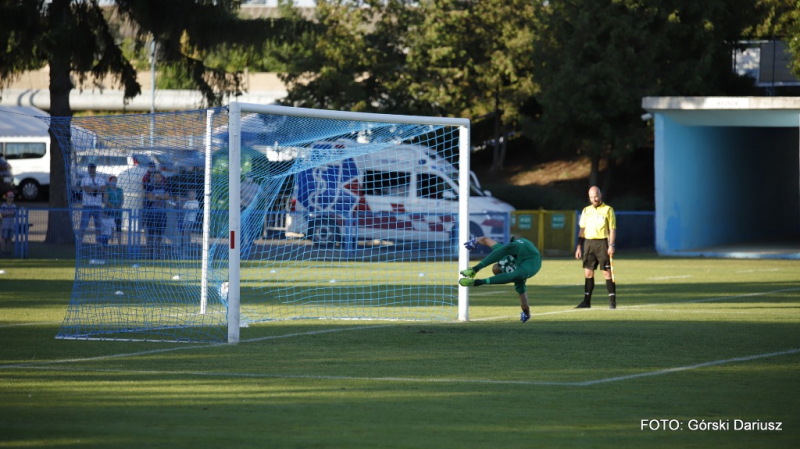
(724,185)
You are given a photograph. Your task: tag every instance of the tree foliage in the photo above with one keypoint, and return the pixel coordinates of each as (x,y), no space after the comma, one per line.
(597,59)
(75,39)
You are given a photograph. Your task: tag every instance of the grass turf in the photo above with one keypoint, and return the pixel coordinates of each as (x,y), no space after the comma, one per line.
(693,339)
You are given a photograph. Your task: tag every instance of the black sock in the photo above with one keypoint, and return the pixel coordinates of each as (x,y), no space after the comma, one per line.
(612,290)
(480,282)
(588,287)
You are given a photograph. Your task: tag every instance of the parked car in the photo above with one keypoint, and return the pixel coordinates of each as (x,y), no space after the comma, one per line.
(129,168)
(31,159)
(173,162)
(6,176)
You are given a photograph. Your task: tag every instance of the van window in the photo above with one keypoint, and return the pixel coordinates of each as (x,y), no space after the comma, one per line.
(431,186)
(116,160)
(25,150)
(386,183)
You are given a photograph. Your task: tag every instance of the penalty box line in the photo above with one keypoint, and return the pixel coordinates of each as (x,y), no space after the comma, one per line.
(180,348)
(422,380)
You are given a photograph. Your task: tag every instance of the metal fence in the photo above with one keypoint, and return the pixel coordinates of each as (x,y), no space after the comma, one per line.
(44,233)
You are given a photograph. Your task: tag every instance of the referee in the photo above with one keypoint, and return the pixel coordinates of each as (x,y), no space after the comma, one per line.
(596,243)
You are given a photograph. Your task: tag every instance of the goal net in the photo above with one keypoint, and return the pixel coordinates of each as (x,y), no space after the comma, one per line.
(192,225)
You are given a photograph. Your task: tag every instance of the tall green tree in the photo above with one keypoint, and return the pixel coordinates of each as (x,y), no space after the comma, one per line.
(473,58)
(73,37)
(442,57)
(596,59)
(354,60)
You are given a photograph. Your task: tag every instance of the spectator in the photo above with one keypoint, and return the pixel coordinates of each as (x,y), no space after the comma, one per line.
(249,190)
(8,212)
(93,188)
(114,200)
(155,215)
(252,222)
(151,168)
(190,221)
(107,227)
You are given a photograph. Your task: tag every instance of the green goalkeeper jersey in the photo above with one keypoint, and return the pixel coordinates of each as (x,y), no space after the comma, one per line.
(522,255)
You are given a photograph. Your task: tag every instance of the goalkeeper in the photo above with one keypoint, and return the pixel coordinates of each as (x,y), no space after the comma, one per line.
(514,262)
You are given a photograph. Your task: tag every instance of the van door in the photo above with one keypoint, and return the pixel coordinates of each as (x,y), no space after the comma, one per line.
(386,198)
(435,193)
(31,163)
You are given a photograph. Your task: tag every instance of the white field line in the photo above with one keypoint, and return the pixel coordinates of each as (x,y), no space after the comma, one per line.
(693,312)
(690,367)
(179,348)
(39,365)
(424,380)
(29,324)
(721,298)
(302,376)
(669,277)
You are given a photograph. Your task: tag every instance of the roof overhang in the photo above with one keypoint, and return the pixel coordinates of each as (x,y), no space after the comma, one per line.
(727,111)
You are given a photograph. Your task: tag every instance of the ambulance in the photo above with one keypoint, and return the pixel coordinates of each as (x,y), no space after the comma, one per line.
(404,193)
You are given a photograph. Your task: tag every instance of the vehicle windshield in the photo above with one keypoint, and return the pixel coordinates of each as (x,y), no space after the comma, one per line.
(473,189)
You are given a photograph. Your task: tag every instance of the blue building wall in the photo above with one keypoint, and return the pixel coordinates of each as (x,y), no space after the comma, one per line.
(723,185)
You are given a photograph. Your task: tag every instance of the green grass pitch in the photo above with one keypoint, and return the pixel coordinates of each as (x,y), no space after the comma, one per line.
(701,345)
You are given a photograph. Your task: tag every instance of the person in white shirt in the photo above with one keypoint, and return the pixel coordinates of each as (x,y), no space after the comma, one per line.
(190,221)
(107,226)
(93,188)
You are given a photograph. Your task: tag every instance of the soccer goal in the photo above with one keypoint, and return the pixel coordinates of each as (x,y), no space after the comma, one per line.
(191,226)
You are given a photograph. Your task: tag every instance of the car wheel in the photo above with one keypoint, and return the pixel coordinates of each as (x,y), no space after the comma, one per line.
(29,190)
(324,232)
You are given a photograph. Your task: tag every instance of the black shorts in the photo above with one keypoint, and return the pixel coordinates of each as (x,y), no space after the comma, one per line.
(595,253)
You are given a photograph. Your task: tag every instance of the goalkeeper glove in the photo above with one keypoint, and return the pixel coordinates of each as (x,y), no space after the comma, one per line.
(471,244)
(469,272)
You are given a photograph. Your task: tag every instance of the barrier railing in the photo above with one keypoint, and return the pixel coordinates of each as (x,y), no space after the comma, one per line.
(51,233)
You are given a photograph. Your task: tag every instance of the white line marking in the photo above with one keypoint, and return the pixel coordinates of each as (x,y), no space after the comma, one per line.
(721,298)
(692,312)
(39,365)
(670,277)
(690,367)
(304,376)
(29,324)
(423,380)
(201,346)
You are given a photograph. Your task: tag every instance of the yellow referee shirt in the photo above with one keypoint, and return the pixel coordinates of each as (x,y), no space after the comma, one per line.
(597,222)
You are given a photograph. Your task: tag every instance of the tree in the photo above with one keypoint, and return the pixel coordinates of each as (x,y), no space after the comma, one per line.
(445,57)
(472,58)
(352,61)
(597,59)
(74,37)
(781,21)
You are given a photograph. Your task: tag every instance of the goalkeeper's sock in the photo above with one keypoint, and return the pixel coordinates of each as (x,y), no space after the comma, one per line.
(481,282)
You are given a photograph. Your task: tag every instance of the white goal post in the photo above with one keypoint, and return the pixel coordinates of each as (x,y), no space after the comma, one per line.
(235,133)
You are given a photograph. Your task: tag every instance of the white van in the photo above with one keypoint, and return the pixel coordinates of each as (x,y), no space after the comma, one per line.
(390,190)
(30,157)
(25,143)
